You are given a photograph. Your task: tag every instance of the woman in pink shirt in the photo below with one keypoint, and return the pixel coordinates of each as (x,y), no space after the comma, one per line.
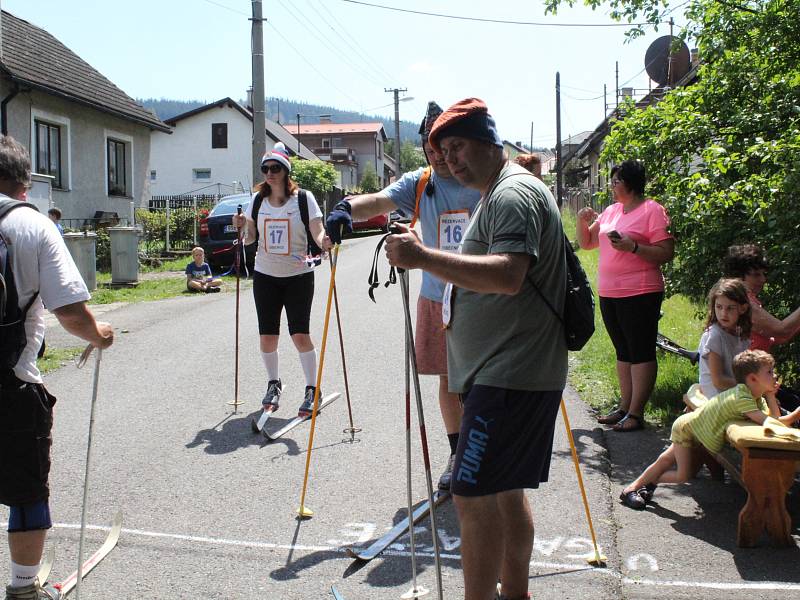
(634,242)
(748,262)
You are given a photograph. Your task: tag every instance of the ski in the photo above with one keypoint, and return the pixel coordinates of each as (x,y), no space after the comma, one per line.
(398,530)
(46,566)
(336,594)
(66,586)
(258,426)
(297,420)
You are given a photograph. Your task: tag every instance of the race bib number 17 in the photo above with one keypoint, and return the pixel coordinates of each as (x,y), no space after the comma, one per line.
(276,236)
(452,225)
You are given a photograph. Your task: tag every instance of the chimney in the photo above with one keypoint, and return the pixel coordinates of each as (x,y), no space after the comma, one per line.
(695,54)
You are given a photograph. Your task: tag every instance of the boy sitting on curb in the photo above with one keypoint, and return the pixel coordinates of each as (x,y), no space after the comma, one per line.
(753,397)
(198,274)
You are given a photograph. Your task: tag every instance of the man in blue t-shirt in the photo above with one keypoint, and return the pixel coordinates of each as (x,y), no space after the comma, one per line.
(444,210)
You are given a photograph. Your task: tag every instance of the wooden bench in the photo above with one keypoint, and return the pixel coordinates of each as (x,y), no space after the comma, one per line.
(766,471)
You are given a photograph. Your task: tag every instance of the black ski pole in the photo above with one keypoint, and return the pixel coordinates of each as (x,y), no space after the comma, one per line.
(351,430)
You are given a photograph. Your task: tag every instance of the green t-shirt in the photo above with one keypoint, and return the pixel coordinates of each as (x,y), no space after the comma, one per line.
(712,418)
(513,342)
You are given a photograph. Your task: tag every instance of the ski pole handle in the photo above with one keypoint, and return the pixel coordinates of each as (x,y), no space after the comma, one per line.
(395,230)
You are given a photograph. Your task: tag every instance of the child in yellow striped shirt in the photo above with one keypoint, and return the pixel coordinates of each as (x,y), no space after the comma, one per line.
(752,398)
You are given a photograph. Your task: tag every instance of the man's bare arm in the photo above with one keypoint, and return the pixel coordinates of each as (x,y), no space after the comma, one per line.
(79,321)
(366,206)
(487,274)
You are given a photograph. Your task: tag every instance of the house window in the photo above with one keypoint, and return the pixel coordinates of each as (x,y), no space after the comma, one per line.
(152,175)
(336,142)
(116,168)
(201,174)
(326,143)
(48,151)
(219,135)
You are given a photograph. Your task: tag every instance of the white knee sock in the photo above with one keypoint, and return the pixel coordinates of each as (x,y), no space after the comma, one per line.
(22,575)
(309,362)
(271,363)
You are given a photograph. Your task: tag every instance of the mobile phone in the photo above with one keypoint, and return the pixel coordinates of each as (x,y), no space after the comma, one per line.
(614,235)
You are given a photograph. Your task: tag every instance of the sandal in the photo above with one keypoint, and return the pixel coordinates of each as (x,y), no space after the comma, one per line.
(646,492)
(612,417)
(630,422)
(632,500)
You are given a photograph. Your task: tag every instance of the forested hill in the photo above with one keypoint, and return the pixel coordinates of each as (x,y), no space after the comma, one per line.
(285,112)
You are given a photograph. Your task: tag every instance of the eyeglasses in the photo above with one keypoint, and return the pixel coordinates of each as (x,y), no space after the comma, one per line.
(271,169)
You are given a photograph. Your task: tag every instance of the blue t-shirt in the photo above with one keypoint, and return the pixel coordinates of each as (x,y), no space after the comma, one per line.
(195,272)
(450,199)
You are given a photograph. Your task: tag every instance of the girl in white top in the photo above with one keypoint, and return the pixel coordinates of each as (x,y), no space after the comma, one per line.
(283,277)
(727,334)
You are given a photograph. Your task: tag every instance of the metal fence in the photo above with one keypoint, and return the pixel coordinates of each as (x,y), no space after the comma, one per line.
(170,223)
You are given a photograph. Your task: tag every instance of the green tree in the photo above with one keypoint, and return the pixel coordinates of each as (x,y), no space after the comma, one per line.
(723,154)
(411,157)
(314,175)
(369,180)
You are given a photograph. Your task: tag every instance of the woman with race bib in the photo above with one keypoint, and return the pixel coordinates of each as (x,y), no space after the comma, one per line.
(284,271)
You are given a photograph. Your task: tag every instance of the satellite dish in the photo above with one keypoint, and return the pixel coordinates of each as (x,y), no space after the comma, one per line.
(664,65)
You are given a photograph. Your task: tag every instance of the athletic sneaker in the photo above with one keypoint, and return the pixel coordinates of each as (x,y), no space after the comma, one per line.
(307,407)
(273,395)
(33,591)
(444,479)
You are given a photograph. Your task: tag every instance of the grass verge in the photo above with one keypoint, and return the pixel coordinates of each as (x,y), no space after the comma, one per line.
(593,369)
(55,358)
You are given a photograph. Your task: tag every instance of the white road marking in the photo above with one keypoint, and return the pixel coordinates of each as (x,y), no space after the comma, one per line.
(633,562)
(569,567)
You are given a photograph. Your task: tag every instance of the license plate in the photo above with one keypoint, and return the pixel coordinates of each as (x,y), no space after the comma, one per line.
(230,228)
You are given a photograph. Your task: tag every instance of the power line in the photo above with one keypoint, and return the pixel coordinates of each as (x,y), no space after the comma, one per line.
(310,64)
(497,21)
(324,39)
(238,12)
(358,48)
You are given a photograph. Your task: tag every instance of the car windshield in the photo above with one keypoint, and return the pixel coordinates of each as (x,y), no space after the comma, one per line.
(228,207)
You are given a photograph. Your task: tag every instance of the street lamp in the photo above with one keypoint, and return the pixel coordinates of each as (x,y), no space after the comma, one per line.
(298,126)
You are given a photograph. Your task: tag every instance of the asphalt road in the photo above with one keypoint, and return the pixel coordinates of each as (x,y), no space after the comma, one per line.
(209,507)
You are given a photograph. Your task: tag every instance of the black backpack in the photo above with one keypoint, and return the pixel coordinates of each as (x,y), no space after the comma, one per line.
(12,318)
(302,201)
(578,314)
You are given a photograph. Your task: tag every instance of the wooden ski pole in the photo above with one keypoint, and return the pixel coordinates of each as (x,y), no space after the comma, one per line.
(303,511)
(598,560)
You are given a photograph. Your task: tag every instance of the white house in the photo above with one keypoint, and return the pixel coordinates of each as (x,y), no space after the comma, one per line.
(210,150)
(88,138)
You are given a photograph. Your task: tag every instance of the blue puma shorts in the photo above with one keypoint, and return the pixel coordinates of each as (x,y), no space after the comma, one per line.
(505,442)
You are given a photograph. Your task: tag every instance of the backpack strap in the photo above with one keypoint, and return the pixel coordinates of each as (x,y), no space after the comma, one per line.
(302,202)
(9,204)
(255,206)
(423,181)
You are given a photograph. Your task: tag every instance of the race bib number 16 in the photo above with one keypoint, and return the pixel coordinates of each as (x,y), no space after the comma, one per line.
(276,236)
(452,225)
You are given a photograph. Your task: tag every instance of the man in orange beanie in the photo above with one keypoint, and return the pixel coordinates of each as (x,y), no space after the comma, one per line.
(506,349)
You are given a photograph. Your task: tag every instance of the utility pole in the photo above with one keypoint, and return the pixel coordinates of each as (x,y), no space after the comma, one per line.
(396,92)
(617,83)
(605,102)
(298,133)
(559,164)
(259,118)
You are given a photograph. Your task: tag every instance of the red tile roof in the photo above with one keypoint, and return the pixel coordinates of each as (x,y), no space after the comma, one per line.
(326,128)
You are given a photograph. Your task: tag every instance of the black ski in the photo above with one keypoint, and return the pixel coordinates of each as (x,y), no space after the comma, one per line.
(90,563)
(297,420)
(398,530)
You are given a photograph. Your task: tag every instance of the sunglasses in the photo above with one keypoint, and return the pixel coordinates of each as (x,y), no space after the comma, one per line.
(271,168)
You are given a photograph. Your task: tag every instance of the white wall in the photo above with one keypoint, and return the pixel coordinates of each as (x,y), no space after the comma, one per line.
(173,157)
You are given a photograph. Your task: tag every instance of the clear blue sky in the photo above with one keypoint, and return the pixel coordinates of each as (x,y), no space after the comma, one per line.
(342,54)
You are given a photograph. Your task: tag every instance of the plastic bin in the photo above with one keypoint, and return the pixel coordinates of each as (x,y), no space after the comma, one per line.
(124,254)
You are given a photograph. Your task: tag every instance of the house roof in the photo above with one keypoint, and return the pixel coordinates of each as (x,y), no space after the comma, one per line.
(34,58)
(333,128)
(519,149)
(274,130)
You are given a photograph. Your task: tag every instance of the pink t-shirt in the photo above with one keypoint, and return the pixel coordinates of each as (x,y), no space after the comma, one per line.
(623,274)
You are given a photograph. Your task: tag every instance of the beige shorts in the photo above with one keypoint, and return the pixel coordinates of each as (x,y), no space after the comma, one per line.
(430,342)
(682,431)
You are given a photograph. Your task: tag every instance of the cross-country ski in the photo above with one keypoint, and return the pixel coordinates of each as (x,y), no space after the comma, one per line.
(257,425)
(336,594)
(46,566)
(297,420)
(397,531)
(90,563)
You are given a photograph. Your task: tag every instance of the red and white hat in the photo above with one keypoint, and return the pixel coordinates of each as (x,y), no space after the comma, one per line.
(280,154)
